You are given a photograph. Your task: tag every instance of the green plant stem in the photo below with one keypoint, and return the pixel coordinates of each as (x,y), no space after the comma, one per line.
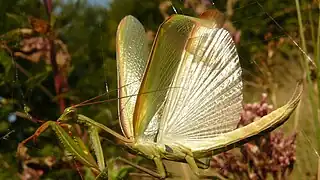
(313,37)
(313,102)
(316,45)
(318,169)
(317,54)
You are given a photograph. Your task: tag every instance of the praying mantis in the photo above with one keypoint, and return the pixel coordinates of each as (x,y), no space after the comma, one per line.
(180,102)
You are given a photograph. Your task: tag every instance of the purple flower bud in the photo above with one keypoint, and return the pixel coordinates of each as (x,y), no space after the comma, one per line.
(269,154)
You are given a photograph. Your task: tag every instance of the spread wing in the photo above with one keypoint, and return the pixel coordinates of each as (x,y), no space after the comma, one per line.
(164,60)
(209,101)
(132,55)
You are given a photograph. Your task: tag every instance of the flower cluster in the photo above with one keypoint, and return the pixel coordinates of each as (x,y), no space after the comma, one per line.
(270,155)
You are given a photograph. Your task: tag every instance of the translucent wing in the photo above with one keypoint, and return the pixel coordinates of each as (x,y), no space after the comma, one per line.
(209,101)
(132,55)
(165,58)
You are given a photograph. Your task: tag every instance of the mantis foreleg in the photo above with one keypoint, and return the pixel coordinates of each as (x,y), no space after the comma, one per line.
(71,114)
(96,145)
(90,122)
(73,145)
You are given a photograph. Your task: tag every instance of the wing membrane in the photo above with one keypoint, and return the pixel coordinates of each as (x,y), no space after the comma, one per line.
(164,60)
(132,55)
(209,101)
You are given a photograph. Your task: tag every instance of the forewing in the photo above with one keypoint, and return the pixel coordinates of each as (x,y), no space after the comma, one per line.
(132,55)
(209,101)
(164,60)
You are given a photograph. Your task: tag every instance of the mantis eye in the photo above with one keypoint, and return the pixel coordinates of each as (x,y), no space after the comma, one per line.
(70,110)
(69,113)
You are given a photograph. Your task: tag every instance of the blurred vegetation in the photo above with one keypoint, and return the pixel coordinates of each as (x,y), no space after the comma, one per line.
(270,38)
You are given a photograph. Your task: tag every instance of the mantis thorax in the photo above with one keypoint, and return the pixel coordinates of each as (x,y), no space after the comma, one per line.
(146,148)
(159,150)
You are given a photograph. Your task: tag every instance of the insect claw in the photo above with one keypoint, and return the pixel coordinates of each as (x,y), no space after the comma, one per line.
(42,128)
(21,147)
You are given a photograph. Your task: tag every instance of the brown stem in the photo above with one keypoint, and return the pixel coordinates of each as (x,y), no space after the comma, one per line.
(60,81)
(48,6)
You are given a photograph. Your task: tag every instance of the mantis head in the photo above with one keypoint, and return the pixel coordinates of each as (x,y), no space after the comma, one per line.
(69,114)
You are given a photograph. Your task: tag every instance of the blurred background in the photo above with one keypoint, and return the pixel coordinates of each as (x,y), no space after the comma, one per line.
(58,53)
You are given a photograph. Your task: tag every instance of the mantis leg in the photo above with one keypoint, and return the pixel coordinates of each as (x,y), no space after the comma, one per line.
(75,146)
(90,122)
(94,126)
(96,145)
(160,167)
(202,172)
(103,174)
(42,128)
(203,163)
